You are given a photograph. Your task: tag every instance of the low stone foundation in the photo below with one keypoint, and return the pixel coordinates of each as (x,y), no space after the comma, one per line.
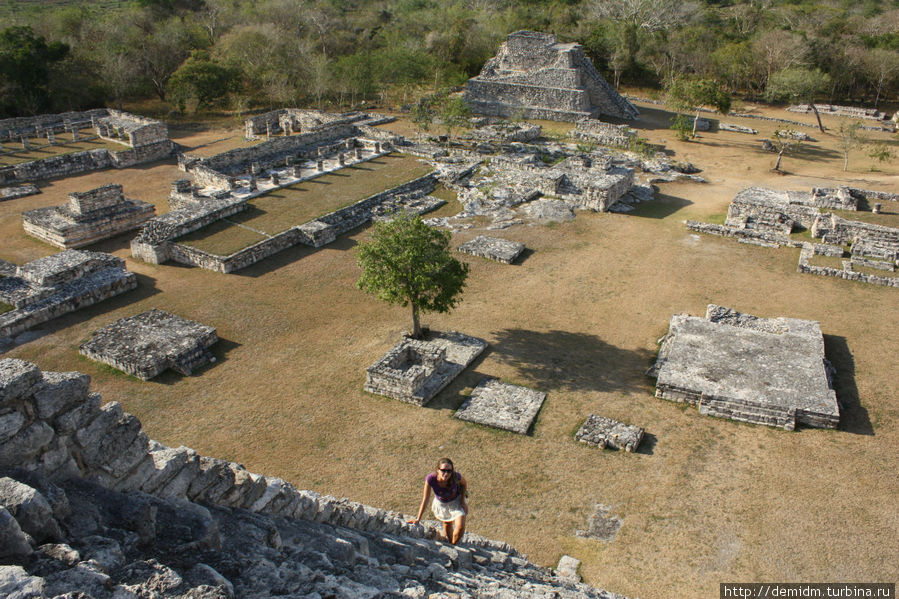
(55,285)
(415,370)
(768,371)
(501,405)
(151,342)
(603,432)
(493,248)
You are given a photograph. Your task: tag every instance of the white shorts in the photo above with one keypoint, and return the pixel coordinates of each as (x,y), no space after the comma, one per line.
(447,511)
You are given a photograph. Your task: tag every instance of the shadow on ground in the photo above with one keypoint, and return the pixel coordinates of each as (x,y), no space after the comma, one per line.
(853,417)
(662,206)
(219,350)
(568,361)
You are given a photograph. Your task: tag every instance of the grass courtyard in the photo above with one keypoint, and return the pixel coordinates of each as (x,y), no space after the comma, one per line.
(287,207)
(14,152)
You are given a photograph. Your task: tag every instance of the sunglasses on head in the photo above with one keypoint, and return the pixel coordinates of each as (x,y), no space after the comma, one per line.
(446,469)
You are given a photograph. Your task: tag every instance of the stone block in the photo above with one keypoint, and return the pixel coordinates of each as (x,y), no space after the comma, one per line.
(603,432)
(18,379)
(502,405)
(30,509)
(14,545)
(493,248)
(26,444)
(59,392)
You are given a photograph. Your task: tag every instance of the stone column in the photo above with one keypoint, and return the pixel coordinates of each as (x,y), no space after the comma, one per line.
(297,171)
(254,168)
(253,185)
(288,161)
(377,147)
(350,143)
(51,137)
(275,179)
(358,153)
(25,143)
(876,208)
(74,132)
(319,165)
(321,151)
(341,160)
(268,131)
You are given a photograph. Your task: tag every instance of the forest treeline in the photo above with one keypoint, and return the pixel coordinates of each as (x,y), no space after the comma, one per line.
(240,54)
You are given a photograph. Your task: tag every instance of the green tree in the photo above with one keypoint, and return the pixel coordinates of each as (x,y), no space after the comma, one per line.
(201,79)
(409,263)
(690,95)
(800,85)
(784,141)
(454,114)
(850,137)
(25,62)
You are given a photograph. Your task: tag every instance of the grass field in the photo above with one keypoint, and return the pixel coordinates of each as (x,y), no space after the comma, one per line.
(287,207)
(704,500)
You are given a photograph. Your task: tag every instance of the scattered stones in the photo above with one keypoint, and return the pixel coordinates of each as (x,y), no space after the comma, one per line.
(603,432)
(55,285)
(88,217)
(151,342)
(534,76)
(768,371)
(606,134)
(493,248)
(797,135)
(847,111)
(502,405)
(568,567)
(601,525)
(547,210)
(505,132)
(416,370)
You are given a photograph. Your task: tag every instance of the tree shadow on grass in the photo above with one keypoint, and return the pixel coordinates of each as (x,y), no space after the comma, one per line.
(853,417)
(569,361)
(662,206)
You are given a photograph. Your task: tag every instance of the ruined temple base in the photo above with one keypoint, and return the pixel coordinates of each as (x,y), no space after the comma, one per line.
(768,371)
(493,248)
(415,370)
(501,405)
(603,432)
(153,341)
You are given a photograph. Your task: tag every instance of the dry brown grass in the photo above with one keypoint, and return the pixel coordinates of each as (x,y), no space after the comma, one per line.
(704,501)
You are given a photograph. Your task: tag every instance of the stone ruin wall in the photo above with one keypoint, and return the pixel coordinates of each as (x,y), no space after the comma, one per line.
(403,370)
(106,196)
(55,426)
(833,229)
(809,250)
(13,128)
(335,224)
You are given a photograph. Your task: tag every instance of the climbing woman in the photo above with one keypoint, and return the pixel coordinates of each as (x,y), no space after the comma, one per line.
(449,505)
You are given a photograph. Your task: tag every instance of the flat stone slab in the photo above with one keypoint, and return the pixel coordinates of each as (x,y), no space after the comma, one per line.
(493,248)
(762,370)
(502,405)
(602,525)
(148,343)
(603,432)
(415,370)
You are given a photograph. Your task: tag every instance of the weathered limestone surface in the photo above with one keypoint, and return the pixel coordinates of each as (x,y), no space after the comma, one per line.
(534,76)
(493,248)
(18,191)
(502,405)
(297,120)
(88,217)
(606,134)
(602,525)
(150,342)
(55,285)
(737,128)
(415,370)
(847,111)
(90,506)
(762,370)
(603,432)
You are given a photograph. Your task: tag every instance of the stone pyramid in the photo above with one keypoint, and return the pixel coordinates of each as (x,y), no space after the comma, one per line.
(535,76)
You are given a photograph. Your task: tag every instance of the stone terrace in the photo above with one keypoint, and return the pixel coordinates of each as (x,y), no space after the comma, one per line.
(762,370)
(493,248)
(151,342)
(603,432)
(88,217)
(55,285)
(90,506)
(534,76)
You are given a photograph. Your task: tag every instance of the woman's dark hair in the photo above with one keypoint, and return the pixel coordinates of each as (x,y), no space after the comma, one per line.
(446,461)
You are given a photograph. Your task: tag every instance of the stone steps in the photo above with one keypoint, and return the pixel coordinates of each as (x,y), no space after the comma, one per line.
(745,412)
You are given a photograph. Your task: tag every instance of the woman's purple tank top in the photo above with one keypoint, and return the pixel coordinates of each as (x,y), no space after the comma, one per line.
(444,494)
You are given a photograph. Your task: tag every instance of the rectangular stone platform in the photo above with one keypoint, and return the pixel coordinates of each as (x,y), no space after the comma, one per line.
(768,371)
(603,432)
(89,217)
(55,285)
(502,405)
(415,370)
(493,248)
(151,342)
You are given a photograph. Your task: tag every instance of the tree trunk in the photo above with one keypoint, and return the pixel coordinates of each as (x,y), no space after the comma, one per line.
(695,121)
(777,164)
(416,325)
(817,116)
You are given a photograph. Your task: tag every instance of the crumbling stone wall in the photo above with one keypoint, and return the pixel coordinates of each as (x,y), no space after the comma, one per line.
(15,127)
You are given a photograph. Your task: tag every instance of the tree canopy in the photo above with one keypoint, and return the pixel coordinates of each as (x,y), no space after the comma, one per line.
(406,262)
(799,84)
